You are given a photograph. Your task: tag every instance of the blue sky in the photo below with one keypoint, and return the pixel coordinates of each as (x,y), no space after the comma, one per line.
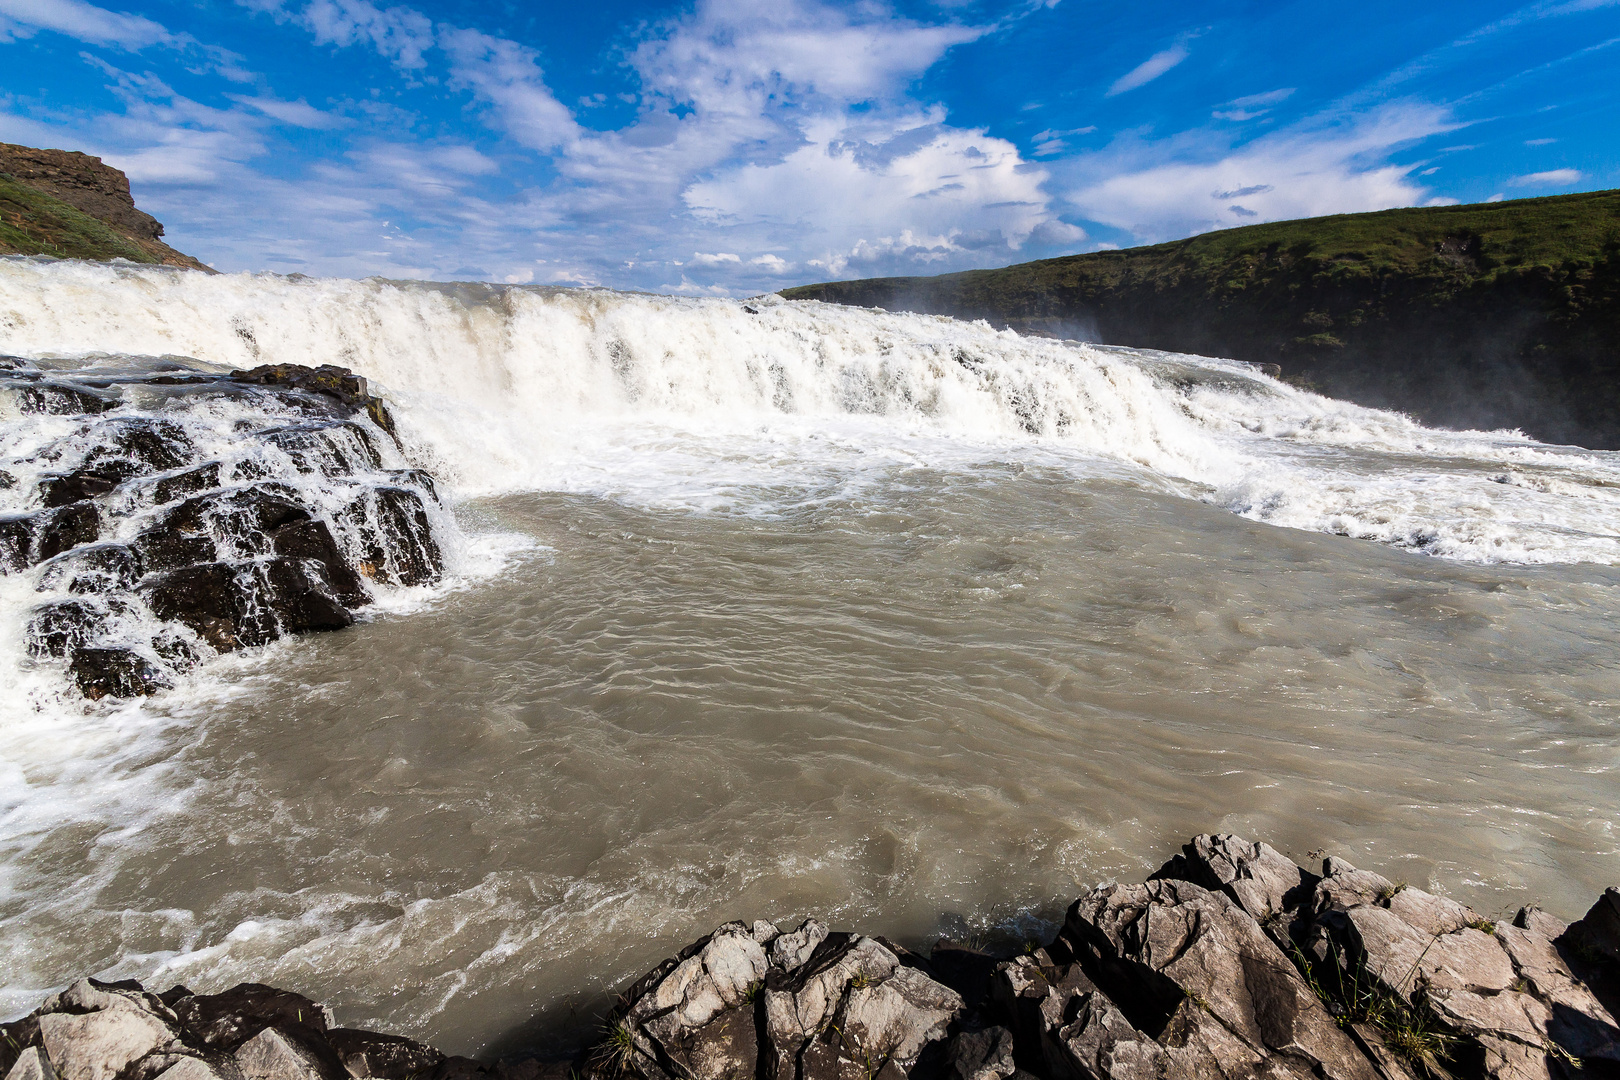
(728,147)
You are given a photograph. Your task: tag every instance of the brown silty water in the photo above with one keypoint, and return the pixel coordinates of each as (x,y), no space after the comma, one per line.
(943,708)
(987,623)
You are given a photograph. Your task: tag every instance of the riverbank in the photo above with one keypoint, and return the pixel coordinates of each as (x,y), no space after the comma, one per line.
(1230,961)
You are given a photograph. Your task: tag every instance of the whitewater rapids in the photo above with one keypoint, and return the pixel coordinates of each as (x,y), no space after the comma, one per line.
(767,608)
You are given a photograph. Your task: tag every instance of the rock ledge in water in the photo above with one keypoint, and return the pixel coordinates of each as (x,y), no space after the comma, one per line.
(169,553)
(1230,963)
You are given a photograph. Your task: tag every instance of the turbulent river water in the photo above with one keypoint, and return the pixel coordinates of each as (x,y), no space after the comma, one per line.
(767,609)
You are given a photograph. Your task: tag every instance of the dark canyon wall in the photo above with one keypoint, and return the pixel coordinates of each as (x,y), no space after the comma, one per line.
(1489,315)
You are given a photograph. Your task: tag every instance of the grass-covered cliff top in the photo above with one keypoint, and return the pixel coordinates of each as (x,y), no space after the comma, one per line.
(1471,241)
(34,223)
(71,205)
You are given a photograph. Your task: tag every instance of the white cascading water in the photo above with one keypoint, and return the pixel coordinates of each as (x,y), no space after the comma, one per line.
(514,388)
(928,640)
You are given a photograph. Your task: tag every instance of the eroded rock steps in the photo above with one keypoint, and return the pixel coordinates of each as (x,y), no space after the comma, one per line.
(170,513)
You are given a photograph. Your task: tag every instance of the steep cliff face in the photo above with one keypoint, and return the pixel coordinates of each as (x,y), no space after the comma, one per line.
(1491,315)
(71,205)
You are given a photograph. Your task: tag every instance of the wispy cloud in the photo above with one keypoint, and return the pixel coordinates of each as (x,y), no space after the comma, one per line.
(508,76)
(1247,108)
(84,22)
(1316,167)
(1550,178)
(296,113)
(1149,69)
(401,34)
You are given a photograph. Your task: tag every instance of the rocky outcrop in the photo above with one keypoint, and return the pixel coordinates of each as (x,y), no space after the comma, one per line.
(120,1031)
(172,513)
(1230,963)
(92,188)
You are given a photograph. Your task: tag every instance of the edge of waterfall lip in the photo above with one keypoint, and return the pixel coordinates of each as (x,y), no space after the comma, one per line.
(498,387)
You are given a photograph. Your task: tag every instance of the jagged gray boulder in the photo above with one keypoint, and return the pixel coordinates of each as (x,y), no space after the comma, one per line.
(809,1005)
(1600,927)
(981,1054)
(94,1032)
(1503,988)
(1174,979)
(1179,958)
(32,1064)
(273,1054)
(1256,877)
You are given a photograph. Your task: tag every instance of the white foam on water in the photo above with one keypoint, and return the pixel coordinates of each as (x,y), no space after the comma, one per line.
(720,405)
(708,405)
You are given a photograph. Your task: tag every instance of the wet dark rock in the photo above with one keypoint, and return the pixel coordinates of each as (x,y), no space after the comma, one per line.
(312,539)
(66,528)
(58,628)
(384,1057)
(205,598)
(26,539)
(331,449)
(16,541)
(416,478)
(220,568)
(86,483)
(101,568)
(399,544)
(165,546)
(340,384)
(190,482)
(145,446)
(64,399)
(241,605)
(300,595)
(245,515)
(115,672)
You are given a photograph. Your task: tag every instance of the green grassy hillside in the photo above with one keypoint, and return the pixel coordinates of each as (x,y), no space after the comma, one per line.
(1496,314)
(34,223)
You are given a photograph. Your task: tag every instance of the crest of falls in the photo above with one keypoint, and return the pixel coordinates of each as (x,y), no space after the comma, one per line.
(749,406)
